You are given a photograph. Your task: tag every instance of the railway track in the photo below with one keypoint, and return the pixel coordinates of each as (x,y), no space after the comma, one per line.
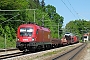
(72,54)
(18,55)
(5,56)
(12,49)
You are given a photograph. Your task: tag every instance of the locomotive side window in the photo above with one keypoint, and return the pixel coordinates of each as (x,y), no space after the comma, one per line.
(37,31)
(26,31)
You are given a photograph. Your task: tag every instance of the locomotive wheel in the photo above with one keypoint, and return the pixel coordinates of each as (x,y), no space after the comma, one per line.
(26,50)
(20,49)
(39,48)
(32,49)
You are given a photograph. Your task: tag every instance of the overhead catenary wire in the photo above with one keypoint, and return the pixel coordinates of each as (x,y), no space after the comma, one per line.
(10,18)
(68,8)
(73,9)
(78,14)
(15,15)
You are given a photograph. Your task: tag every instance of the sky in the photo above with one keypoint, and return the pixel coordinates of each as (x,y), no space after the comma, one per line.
(71,9)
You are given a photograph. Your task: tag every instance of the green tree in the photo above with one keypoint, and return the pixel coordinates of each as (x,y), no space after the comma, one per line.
(13,4)
(55,18)
(78,26)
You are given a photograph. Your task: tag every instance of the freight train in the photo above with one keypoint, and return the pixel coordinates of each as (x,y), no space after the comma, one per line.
(31,37)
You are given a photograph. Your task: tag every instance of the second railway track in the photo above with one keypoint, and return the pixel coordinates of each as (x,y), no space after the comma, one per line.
(12,49)
(70,55)
(11,55)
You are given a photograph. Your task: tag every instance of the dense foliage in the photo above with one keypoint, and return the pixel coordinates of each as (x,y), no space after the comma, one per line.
(27,11)
(78,27)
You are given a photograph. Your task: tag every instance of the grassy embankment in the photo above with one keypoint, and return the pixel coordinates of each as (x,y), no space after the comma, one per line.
(9,44)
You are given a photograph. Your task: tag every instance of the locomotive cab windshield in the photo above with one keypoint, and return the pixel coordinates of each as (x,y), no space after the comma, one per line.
(26,31)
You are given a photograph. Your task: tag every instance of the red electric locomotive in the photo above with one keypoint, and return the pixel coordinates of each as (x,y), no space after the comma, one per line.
(71,38)
(75,38)
(31,37)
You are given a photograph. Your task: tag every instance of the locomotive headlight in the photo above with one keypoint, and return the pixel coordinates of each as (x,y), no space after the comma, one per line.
(17,39)
(33,39)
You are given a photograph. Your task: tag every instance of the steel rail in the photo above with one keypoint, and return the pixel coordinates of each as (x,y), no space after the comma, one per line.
(78,52)
(11,55)
(12,49)
(56,58)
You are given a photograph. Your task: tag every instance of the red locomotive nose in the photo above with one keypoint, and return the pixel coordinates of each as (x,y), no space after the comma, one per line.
(26,39)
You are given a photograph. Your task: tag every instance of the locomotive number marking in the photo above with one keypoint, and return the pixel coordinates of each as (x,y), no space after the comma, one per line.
(25,39)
